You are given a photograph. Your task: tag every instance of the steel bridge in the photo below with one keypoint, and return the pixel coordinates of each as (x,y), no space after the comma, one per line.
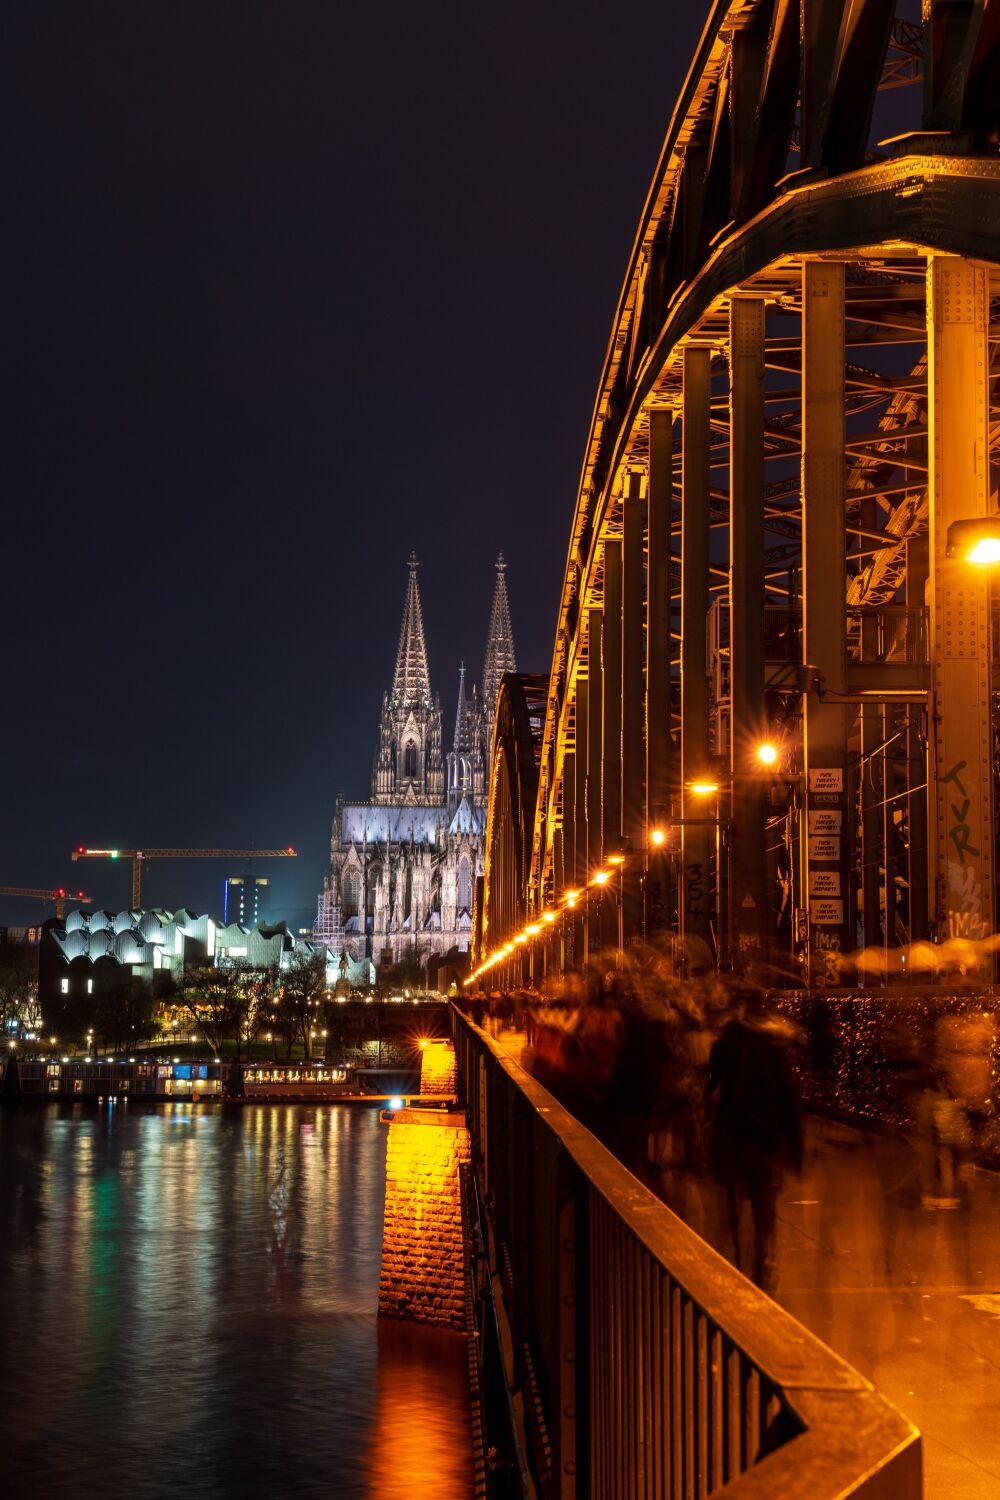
(794,437)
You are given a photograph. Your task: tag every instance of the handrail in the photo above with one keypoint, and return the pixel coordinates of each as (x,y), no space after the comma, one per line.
(643,1363)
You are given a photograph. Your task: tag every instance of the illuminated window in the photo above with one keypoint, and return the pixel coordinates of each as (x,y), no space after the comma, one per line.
(235,952)
(90,986)
(64,986)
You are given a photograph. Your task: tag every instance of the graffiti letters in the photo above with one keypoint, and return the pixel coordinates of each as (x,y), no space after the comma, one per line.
(960,830)
(965,902)
(694,891)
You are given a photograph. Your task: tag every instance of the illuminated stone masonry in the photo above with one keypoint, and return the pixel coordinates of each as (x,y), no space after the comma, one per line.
(423,1236)
(438,1069)
(403,866)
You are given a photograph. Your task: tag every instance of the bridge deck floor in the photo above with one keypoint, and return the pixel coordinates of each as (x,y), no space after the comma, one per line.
(909,1296)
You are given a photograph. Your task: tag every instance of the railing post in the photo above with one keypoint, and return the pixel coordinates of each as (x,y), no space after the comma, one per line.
(567,1428)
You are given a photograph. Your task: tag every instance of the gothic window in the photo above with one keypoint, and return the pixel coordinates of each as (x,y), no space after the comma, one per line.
(410,761)
(464,885)
(351,891)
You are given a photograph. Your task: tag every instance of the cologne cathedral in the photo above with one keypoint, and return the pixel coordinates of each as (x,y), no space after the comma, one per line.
(403,865)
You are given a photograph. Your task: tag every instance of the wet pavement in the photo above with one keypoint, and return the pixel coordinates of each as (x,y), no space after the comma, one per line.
(910,1296)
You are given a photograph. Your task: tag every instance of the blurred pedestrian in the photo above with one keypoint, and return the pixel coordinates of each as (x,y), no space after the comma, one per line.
(756,1134)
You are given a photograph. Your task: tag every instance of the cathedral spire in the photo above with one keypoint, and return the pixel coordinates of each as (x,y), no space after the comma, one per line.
(464,727)
(412,682)
(499,646)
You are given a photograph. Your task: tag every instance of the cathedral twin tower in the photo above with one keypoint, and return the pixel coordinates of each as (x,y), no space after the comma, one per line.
(403,866)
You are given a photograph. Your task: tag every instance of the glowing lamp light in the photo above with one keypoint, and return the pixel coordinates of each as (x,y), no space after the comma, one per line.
(986,550)
(601,878)
(975,541)
(395,1102)
(616,859)
(548,916)
(572,896)
(704,788)
(658,838)
(521,937)
(767,754)
(533,929)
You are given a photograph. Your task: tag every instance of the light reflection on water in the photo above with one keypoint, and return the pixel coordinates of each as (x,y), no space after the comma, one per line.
(187,1305)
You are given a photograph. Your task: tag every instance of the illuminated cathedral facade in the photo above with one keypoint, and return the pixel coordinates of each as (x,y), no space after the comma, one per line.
(403,865)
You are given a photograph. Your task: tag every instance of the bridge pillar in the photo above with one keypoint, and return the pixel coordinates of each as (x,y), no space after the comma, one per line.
(633,799)
(826,839)
(423,1274)
(567,870)
(747,903)
(438,1068)
(961,756)
(658,742)
(595,734)
(611,824)
(697,838)
(581,731)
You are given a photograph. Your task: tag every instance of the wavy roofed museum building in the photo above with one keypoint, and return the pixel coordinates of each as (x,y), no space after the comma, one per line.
(403,865)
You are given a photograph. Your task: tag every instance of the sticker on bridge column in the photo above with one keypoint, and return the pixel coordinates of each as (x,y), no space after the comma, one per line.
(826,778)
(824,882)
(825,820)
(829,913)
(827,847)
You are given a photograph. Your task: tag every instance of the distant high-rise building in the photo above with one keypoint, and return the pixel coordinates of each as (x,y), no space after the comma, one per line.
(403,866)
(244,899)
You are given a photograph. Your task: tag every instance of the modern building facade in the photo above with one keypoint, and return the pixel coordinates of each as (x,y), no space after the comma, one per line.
(244,898)
(93,949)
(403,866)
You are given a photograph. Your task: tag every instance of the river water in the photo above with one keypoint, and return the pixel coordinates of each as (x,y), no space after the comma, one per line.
(187,1308)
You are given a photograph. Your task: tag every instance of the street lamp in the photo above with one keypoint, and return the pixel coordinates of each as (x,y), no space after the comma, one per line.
(976,540)
(767,754)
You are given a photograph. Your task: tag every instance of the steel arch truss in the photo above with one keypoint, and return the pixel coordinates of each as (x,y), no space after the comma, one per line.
(799,397)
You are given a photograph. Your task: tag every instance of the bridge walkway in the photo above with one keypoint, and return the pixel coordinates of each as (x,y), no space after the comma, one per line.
(910,1297)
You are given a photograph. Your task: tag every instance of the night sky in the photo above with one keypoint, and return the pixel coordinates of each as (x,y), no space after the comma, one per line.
(291,288)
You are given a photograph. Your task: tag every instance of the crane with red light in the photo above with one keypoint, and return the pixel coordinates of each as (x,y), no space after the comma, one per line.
(139,857)
(58,896)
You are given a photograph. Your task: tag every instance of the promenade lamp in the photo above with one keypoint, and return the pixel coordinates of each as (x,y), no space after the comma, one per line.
(766,754)
(975,541)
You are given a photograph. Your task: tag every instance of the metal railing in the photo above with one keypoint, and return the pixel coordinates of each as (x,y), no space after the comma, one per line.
(641,1365)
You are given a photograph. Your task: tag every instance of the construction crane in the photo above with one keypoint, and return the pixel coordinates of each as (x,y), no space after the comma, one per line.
(139,857)
(58,896)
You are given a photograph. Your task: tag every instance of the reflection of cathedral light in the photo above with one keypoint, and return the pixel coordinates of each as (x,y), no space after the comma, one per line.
(403,866)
